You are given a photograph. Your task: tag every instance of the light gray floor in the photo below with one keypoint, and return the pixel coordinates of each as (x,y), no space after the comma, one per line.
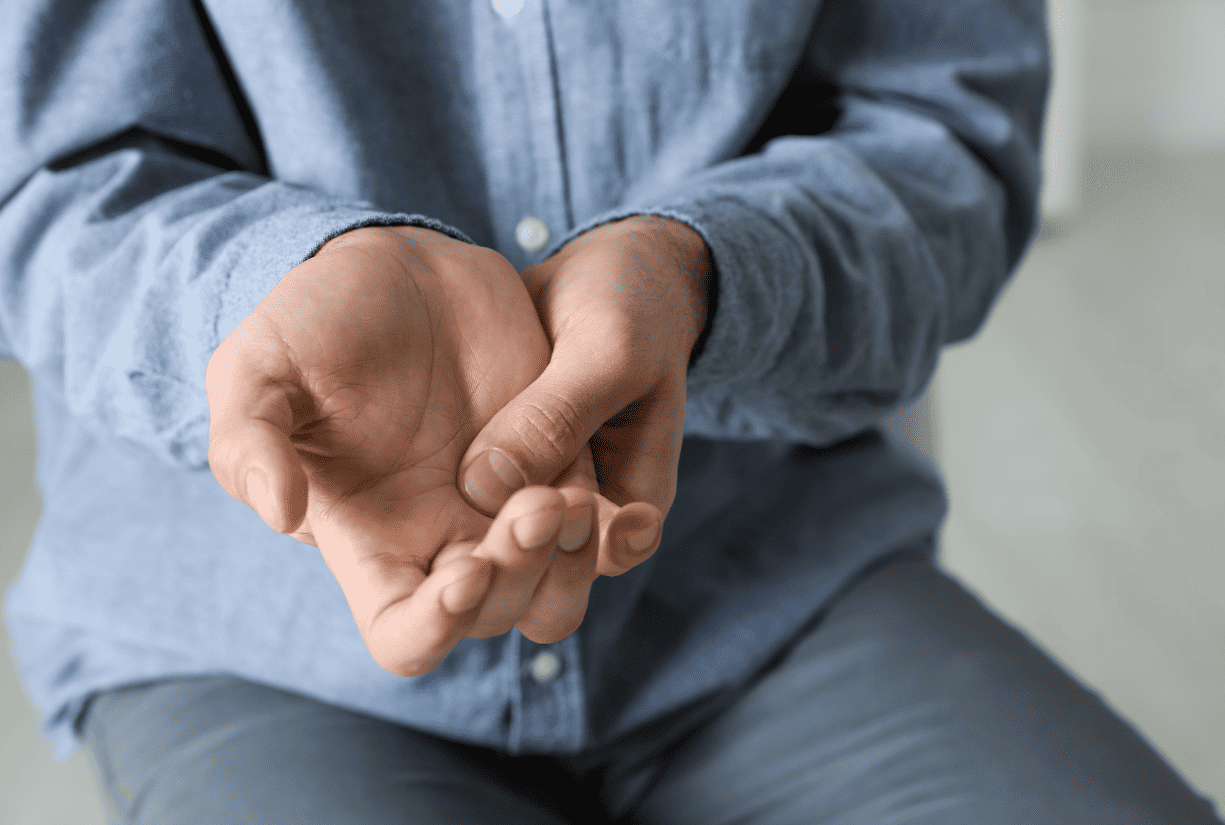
(1083,438)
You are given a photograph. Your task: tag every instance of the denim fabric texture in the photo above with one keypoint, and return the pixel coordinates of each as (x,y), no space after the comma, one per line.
(864,172)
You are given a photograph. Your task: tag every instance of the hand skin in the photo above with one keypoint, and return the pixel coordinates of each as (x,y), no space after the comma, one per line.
(623,305)
(340,408)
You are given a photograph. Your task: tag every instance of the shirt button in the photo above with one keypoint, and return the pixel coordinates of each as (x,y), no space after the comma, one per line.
(532,233)
(507,8)
(545,667)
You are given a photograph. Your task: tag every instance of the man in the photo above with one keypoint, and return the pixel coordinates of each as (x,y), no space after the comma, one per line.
(439,288)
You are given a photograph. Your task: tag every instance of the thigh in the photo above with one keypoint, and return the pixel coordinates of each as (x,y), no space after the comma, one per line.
(220,750)
(907,703)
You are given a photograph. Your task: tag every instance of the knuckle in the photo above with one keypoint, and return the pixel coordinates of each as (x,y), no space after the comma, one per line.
(550,429)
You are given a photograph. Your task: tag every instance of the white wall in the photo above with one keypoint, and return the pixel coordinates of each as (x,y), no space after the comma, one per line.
(1138,73)
(1154,73)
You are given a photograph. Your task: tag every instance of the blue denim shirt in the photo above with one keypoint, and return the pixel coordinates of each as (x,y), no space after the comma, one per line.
(864,172)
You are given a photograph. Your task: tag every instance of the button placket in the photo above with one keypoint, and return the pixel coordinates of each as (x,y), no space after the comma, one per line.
(554,706)
(550,213)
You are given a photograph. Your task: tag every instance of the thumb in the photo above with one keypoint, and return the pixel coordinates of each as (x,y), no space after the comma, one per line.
(535,437)
(273,482)
(252,457)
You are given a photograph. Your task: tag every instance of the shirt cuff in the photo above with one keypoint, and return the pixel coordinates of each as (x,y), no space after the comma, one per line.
(290,237)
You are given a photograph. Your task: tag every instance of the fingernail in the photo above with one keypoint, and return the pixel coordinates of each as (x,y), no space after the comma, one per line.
(576,529)
(642,539)
(258,494)
(490,480)
(534,530)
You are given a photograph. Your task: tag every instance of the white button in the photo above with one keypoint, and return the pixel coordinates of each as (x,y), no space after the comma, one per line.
(507,8)
(532,233)
(545,667)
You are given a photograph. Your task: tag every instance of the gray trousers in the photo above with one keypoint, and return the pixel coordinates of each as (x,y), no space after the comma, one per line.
(906,702)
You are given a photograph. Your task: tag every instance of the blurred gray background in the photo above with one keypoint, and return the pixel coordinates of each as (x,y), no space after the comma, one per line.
(1082,433)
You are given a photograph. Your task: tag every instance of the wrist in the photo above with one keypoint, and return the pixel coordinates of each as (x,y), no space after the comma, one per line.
(695,267)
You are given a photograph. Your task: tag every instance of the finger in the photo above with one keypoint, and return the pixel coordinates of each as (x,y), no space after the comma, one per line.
(413,635)
(249,450)
(412,600)
(630,534)
(640,462)
(521,541)
(629,537)
(622,542)
(581,473)
(380,557)
(560,602)
(530,520)
(540,432)
(374,567)
(637,452)
(274,480)
(517,589)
